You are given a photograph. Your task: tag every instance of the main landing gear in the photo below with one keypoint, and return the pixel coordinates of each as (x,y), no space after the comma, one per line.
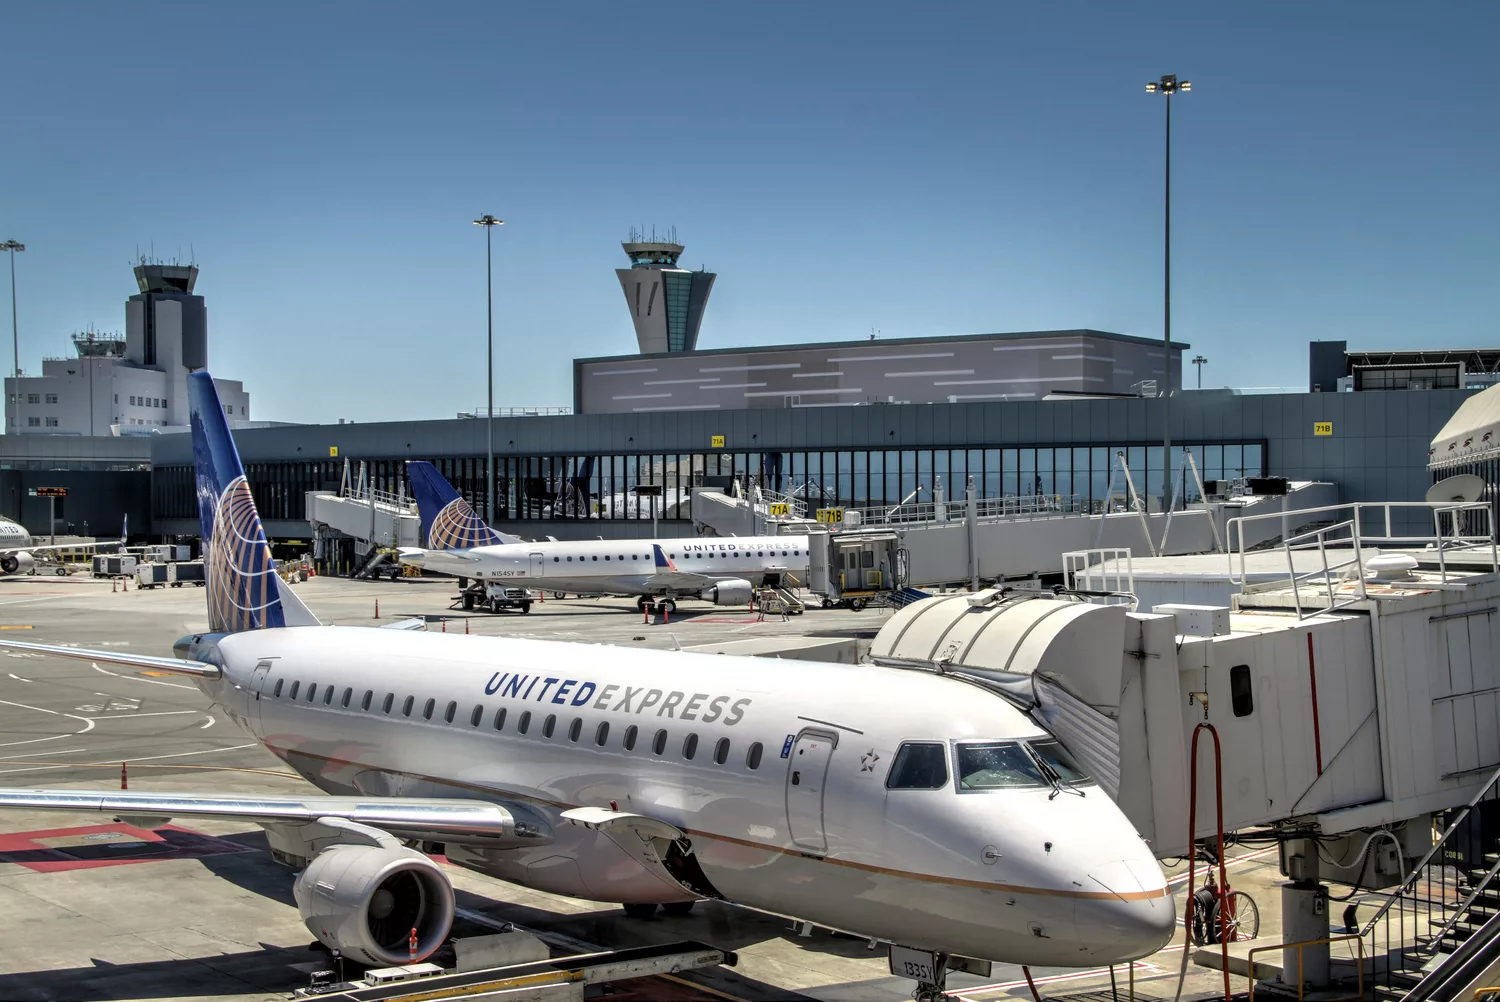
(646,602)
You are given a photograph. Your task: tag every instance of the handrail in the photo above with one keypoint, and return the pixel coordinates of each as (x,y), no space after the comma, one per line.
(1437,846)
(1359,967)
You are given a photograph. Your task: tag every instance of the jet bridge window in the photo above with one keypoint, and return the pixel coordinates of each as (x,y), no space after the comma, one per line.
(276,692)
(996,765)
(1240,693)
(919,765)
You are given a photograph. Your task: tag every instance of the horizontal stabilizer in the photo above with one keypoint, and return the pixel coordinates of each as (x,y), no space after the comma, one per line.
(177,666)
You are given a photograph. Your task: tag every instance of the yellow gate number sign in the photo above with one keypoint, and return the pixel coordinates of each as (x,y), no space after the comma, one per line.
(780,508)
(333,452)
(718,442)
(831,516)
(1322,427)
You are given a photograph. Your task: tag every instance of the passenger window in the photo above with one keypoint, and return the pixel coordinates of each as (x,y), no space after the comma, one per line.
(427,709)
(752,758)
(659,743)
(919,765)
(476,716)
(602,734)
(348,695)
(312,692)
(721,751)
(596,558)
(575,729)
(557,560)
(524,724)
(451,712)
(549,725)
(390,700)
(276,692)
(630,735)
(1240,693)
(500,719)
(406,706)
(996,765)
(328,696)
(606,556)
(369,698)
(690,747)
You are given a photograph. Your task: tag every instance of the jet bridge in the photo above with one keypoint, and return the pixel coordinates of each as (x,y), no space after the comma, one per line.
(1352,700)
(353,525)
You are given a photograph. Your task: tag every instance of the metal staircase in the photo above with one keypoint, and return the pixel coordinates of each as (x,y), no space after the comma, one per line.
(1440,929)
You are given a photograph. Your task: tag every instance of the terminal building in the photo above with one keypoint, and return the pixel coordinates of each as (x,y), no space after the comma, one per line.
(836,424)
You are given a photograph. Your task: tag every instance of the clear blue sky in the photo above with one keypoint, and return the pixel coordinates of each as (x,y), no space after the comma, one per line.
(914,168)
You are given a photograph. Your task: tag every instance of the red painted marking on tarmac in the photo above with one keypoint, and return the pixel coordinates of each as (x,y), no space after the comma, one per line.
(719,619)
(135,846)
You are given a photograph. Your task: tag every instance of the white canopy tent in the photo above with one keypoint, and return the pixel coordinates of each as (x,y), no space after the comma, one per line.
(1471,435)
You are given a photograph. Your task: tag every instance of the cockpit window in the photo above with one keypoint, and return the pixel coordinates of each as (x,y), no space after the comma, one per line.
(1055,757)
(919,765)
(997,765)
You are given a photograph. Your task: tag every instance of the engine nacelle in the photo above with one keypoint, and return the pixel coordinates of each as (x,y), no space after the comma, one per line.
(732,591)
(19,562)
(365,900)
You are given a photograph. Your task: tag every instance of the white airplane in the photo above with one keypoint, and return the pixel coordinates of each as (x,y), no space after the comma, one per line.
(901,806)
(18,551)
(723,571)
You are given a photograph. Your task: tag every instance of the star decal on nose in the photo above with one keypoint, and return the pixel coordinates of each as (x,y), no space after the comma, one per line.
(867,761)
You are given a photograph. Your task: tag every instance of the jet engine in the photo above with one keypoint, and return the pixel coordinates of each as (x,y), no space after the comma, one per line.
(732,591)
(365,900)
(19,562)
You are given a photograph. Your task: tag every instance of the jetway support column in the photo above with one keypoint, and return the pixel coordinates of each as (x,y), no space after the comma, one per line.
(1304,917)
(971,518)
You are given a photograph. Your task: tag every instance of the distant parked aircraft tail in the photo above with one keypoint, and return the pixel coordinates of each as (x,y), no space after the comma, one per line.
(448,523)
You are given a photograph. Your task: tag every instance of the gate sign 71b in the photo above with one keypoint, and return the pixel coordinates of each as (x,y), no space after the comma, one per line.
(831,516)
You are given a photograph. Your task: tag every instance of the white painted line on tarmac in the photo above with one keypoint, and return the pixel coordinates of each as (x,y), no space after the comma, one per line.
(55,713)
(132,678)
(131,716)
(207,723)
(141,758)
(32,741)
(17,677)
(48,754)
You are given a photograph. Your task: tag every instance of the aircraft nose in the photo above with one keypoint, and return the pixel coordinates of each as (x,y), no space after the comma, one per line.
(1132,914)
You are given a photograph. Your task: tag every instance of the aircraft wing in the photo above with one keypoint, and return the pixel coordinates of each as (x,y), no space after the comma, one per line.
(177,666)
(113,543)
(432,819)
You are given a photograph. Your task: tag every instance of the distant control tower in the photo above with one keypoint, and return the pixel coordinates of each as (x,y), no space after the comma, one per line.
(665,302)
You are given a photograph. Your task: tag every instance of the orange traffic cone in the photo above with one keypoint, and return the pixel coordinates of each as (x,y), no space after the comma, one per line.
(377,608)
(466,627)
(124,779)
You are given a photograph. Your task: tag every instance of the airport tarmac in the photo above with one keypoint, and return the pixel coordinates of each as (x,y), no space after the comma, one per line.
(96,910)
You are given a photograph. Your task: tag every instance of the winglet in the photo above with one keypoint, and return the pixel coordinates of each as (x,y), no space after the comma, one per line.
(242,588)
(448,523)
(662,563)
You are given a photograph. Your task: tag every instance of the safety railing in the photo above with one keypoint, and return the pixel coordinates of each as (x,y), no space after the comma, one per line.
(1024,506)
(1403,925)
(1301,983)
(794,506)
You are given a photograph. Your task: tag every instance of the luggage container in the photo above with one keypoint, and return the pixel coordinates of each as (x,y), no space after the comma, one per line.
(114,565)
(151,575)
(185,572)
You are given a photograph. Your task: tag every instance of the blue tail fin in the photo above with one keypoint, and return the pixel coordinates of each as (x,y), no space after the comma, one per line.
(448,523)
(243,590)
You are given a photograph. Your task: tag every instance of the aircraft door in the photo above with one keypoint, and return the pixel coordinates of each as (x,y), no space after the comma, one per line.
(253,692)
(807,775)
(538,562)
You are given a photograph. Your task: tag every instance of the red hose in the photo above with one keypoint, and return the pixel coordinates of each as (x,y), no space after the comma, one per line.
(1193,847)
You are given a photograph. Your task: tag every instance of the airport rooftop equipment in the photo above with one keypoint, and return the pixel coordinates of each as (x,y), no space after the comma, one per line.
(1334,367)
(666,302)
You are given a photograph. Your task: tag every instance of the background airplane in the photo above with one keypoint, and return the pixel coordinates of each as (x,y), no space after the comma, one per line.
(723,571)
(898,806)
(18,551)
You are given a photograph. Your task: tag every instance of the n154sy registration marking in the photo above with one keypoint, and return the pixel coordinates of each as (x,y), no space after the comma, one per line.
(915,964)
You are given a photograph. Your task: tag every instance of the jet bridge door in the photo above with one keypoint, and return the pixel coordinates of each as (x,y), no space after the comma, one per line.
(538,563)
(806,777)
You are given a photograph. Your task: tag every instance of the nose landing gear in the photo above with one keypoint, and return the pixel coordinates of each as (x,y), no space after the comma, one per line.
(936,989)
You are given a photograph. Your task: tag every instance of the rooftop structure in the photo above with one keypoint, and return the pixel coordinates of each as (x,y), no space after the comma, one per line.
(666,302)
(1334,367)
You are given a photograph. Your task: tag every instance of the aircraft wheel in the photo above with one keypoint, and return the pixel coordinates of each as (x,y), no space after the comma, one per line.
(525,608)
(640,911)
(670,605)
(678,909)
(642,602)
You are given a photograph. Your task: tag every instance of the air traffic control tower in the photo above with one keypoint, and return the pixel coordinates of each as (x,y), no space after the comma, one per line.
(665,302)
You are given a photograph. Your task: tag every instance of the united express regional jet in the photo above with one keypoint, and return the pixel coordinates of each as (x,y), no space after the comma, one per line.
(896,805)
(18,551)
(723,571)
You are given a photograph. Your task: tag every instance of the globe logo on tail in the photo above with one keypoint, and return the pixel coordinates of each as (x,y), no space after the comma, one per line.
(241,579)
(457,527)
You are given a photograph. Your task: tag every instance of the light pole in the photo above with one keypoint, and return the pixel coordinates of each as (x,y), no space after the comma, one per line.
(1200,362)
(1168,85)
(15,336)
(489,223)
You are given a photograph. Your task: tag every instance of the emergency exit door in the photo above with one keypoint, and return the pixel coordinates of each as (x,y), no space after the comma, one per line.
(806,777)
(538,562)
